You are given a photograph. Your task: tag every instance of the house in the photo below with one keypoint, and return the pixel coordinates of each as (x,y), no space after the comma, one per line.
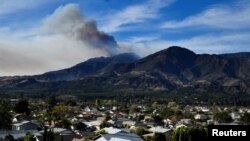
(112,130)
(241,110)
(20,117)
(158,129)
(112,122)
(92,111)
(114,108)
(13,101)
(101,118)
(118,137)
(115,134)
(188,108)
(200,117)
(130,123)
(235,116)
(96,124)
(205,109)
(120,122)
(79,126)
(186,121)
(74,120)
(25,125)
(62,134)
(210,121)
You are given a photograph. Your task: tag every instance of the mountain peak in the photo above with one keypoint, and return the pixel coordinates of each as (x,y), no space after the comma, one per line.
(178,50)
(175,52)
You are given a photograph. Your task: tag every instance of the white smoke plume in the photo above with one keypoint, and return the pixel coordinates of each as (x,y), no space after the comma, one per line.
(61,40)
(69,21)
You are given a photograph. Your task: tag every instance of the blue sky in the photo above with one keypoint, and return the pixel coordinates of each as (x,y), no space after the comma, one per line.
(41,33)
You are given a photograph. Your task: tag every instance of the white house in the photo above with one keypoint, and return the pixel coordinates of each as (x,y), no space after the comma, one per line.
(185,121)
(159,129)
(118,137)
(115,134)
(205,109)
(92,111)
(112,130)
(95,124)
(200,117)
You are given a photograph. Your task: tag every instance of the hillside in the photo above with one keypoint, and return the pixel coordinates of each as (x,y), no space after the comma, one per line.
(171,69)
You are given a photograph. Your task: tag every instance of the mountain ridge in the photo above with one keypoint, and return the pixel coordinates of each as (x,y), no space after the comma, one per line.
(167,70)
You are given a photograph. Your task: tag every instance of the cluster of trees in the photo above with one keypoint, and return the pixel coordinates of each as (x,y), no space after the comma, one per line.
(190,134)
(245,119)
(22,107)
(125,94)
(221,116)
(142,131)
(5,117)
(56,113)
(156,137)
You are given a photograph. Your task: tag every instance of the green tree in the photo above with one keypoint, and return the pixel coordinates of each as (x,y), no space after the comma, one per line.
(9,138)
(64,123)
(51,102)
(21,95)
(159,137)
(104,124)
(154,105)
(166,111)
(189,134)
(29,137)
(140,131)
(133,109)
(172,105)
(214,109)
(158,120)
(5,117)
(22,106)
(5,120)
(245,119)
(4,105)
(97,102)
(222,117)
(102,132)
(59,111)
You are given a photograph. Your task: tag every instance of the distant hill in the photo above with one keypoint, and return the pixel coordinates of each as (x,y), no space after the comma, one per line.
(89,67)
(168,70)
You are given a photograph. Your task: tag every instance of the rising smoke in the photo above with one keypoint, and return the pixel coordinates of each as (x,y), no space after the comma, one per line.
(61,40)
(69,21)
